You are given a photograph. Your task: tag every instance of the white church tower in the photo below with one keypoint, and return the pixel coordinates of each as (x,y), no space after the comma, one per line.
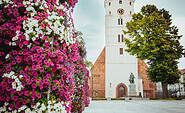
(118,63)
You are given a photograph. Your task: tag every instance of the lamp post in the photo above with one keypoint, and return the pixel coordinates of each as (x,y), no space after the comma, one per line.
(92,83)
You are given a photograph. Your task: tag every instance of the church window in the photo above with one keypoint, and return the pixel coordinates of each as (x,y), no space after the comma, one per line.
(121,51)
(122,38)
(109,3)
(121,21)
(118,21)
(118,38)
(130,12)
(130,3)
(120,1)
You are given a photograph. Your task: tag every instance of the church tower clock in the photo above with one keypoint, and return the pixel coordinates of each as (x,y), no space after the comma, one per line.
(118,63)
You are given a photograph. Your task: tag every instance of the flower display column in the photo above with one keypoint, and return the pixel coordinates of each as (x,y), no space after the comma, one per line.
(38,52)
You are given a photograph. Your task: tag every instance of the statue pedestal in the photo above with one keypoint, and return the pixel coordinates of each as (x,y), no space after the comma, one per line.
(132,90)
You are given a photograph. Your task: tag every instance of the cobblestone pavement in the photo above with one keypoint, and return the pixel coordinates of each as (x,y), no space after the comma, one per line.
(136,106)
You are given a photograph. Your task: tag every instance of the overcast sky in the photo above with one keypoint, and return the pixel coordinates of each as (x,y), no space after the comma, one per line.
(89,19)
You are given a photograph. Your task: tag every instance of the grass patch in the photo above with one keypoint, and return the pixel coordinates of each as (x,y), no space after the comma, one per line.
(117,98)
(99,99)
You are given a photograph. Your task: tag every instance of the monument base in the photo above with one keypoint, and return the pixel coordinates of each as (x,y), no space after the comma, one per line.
(132,90)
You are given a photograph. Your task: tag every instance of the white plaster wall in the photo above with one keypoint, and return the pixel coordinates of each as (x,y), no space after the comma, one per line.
(118,67)
(140,86)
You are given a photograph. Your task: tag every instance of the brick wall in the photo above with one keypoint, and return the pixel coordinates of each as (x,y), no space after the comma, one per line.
(149,88)
(98,77)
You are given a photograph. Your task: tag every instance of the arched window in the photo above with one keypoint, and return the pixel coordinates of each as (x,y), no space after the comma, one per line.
(120,1)
(130,12)
(130,3)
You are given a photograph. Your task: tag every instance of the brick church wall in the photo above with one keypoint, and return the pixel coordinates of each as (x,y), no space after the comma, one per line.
(149,88)
(98,77)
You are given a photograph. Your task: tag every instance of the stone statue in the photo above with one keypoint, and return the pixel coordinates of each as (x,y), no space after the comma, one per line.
(131,79)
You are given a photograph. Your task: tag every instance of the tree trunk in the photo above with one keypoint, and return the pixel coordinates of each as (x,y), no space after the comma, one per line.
(165,90)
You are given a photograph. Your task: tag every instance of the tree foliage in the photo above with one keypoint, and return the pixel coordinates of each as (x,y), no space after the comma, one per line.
(152,37)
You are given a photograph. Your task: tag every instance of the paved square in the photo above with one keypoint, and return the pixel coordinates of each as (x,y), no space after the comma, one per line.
(136,106)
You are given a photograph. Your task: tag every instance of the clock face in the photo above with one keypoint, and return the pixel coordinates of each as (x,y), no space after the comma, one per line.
(120,11)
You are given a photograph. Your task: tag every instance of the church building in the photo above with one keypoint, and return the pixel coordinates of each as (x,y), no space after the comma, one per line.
(112,70)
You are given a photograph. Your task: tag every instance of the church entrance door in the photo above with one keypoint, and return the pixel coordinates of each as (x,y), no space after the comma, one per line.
(121,92)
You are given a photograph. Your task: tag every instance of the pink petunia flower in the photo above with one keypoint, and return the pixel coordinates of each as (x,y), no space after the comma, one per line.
(54,87)
(41,69)
(8,89)
(21,72)
(13,62)
(26,93)
(20,93)
(8,32)
(39,95)
(10,81)
(15,98)
(34,86)
(24,101)
(43,26)
(18,28)
(4,84)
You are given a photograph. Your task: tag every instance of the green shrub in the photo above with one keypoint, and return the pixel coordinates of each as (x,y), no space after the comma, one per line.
(155,98)
(117,98)
(130,98)
(170,99)
(178,98)
(99,99)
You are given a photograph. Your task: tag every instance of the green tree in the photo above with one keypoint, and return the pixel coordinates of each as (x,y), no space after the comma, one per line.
(152,37)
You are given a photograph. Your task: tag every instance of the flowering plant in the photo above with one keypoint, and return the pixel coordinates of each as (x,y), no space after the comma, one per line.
(39,58)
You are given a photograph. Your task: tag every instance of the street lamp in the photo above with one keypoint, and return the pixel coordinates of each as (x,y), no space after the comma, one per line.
(92,83)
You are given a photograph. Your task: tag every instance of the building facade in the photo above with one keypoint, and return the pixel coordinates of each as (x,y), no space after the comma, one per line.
(111,71)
